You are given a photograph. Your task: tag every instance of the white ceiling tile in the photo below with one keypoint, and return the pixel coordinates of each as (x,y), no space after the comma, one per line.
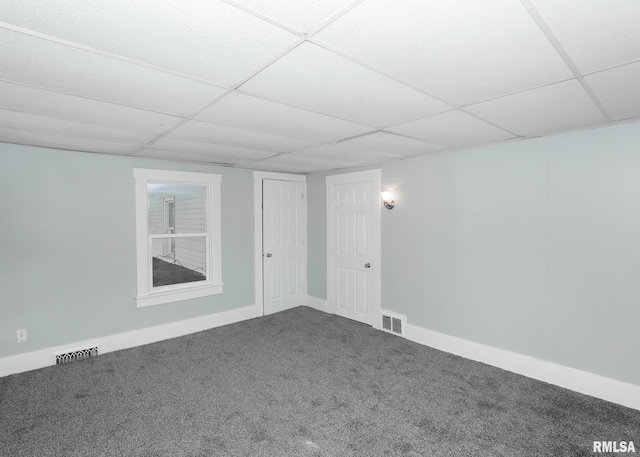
(210,149)
(206,132)
(619,90)
(596,34)
(42,124)
(464,51)
(206,39)
(349,155)
(300,163)
(48,65)
(9,135)
(320,108)
(551,109)
(301,16)
(314,78)
(280,168)
(392,144)
(452,129)
(254,113)
(162,154)
(54,104)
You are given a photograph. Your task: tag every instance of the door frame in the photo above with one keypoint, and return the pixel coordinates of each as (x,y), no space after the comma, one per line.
(258,178)
(375,177)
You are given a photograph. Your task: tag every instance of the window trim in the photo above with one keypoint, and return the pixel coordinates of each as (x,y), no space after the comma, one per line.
(146,294)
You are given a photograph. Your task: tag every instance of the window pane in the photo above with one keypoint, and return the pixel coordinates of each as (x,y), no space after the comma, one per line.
(176,208)
(187,262)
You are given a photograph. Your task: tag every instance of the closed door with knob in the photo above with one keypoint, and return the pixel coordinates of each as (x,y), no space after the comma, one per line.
(283,244)
(354,266)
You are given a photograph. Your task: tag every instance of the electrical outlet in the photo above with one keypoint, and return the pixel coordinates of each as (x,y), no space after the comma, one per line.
(22,335)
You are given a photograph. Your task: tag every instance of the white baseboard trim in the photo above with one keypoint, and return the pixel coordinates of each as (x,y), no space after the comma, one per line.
(316,303)
(580,381)
(45,357)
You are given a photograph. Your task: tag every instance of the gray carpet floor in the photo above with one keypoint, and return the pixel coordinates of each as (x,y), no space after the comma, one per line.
(297,383)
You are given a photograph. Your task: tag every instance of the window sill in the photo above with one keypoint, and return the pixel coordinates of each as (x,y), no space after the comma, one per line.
(159,298)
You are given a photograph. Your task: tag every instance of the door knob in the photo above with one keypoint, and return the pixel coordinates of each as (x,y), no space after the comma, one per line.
(268,254)
(367,265)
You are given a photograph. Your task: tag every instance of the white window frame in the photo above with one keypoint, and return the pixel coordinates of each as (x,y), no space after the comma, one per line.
(147,294)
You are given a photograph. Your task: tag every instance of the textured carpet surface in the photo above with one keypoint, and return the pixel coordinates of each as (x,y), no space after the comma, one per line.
(298,383)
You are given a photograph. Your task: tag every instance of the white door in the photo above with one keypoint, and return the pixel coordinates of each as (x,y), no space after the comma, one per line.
(353,273)
(282,246)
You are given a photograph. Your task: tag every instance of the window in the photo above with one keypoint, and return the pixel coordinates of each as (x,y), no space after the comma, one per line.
(177,235)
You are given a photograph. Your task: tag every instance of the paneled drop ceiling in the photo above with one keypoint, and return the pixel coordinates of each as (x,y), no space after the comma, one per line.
(303,86)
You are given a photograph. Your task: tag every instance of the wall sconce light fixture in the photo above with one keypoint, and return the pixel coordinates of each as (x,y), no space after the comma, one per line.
(387,199)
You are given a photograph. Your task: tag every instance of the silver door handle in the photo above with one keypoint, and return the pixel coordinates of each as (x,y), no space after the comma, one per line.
(367,265)
(268,254)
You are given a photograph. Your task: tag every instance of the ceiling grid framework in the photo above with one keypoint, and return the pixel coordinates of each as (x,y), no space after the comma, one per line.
(558,47)
(311,86)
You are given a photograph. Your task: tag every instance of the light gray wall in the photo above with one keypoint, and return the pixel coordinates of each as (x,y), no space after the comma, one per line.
(530,246)
(68,260)
(594,249)
(316,236)
(403,263)
(486,246)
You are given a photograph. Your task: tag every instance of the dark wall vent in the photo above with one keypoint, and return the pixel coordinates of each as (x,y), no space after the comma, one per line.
(75,355)
(393,323)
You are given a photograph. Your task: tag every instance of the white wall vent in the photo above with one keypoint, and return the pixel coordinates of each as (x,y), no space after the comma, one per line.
(75,354)
(393,322)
